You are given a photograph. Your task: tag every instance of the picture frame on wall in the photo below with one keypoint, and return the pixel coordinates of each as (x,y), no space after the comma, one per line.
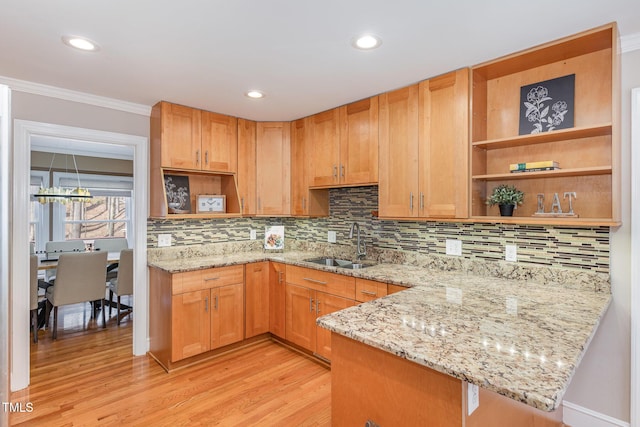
(547,105)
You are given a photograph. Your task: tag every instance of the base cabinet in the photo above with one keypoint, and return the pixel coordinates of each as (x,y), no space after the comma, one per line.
(277,299)
(257,286)
(369,385)
(194,312)
(310,294)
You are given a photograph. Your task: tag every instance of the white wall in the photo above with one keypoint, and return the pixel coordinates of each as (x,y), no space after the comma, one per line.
(601,382)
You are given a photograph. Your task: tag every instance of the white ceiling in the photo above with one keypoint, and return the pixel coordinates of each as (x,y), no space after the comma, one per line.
(207,53)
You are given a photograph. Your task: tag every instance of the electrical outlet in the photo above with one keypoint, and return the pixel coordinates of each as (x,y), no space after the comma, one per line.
(252,234)
(511,253)
(164,240)
(473,398)
(331,236)
(454,247)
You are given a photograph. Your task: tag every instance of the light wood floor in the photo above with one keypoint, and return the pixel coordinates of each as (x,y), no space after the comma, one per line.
(88,376)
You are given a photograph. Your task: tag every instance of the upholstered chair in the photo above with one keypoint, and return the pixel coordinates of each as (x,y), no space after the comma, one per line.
(123,283)
(81,277)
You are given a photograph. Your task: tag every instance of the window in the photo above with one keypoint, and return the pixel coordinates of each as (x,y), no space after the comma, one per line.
(108,214)
(38,213)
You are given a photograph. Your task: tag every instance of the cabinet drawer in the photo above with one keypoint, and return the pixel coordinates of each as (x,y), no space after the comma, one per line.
(367,290)
(190,281)
(223,276)
(330,283)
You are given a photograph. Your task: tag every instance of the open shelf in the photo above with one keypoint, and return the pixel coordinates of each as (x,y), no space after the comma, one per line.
(588,153)
(541,138)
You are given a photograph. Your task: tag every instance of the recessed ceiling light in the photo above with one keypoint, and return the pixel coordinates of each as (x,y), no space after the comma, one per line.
(366,42)
(255,94)
(81,43)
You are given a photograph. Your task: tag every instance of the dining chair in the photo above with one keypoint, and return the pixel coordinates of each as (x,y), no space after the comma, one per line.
(111,244)
(123,283)
(33,294)
(54,249)
(80,278)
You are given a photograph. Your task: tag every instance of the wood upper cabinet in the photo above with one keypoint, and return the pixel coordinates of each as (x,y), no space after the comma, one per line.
(344,141)
(300,164)
(324,133)
(177,130)
(192,139)
(277,298)
(257,300)
(247,166)
(424,149)
(444,146)
(359,142)
(219,147)
(398,166)
(273,168)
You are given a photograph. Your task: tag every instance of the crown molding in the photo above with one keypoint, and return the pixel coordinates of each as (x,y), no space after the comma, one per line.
(71,95)
(630,42)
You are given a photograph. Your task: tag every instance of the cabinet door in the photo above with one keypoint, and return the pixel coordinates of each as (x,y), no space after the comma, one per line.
(273,168)
(190,326)
(227,316)
(359,142)
(219,142)
(256,288)
(180,137)
(299,166)
(326,304)
(277,299)
(324,131)
(398,189)
(368,290)
(300,316)
(247,166)
(444,146)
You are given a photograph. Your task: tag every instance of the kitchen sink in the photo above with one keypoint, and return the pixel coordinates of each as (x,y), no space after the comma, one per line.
(335,262)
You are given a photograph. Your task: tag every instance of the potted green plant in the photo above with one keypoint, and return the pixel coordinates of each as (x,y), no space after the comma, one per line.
(506,197)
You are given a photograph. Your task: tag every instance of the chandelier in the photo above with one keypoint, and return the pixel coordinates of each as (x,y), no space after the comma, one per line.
(63,195)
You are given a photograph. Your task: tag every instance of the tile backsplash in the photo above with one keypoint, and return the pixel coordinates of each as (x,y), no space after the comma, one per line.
(560,247)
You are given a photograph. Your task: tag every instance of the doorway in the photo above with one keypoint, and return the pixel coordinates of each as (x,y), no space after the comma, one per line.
(24,133)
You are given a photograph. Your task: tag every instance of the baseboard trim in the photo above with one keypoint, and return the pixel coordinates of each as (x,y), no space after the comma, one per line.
(578,416)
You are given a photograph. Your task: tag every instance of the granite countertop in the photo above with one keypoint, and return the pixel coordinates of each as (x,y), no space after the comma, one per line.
(520,338)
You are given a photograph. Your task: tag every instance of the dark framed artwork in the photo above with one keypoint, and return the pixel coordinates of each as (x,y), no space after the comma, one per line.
(178,196)
(547,105)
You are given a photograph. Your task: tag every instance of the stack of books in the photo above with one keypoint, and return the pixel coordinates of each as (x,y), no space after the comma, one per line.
(547,165)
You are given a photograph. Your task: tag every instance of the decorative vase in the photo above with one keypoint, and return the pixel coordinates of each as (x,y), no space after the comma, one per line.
(506,210)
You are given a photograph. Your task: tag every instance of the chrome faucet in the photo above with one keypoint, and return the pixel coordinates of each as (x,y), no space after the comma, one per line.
(361,247)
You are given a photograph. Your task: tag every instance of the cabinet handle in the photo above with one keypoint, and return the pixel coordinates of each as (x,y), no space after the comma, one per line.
(311,305)
(242,204)
(206,304)
(335,172)
(411,201)
(368,292)
(216,303)
(421,201)
(208,279)
(319,282)
(197,157)
(279,276)
(206,157)
(342,171)
(317,306)
(258,204)
(304,203)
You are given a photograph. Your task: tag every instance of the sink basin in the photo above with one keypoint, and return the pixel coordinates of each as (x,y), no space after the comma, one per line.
(335,262)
